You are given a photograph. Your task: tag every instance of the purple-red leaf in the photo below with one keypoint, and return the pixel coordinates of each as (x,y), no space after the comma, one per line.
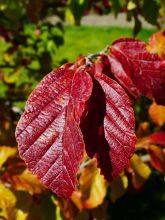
(120,68)
(50,140)
(138,68)
(117,138)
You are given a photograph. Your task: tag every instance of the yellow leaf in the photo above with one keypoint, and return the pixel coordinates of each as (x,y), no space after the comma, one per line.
(157,113)
(131,5)
(7,203)
(118,187)
(5,153)
(141,171)
(98,192)
(21,215)
(69,17)
(92,186)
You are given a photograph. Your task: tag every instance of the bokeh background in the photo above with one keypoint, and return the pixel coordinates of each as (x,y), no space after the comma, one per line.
(37,36)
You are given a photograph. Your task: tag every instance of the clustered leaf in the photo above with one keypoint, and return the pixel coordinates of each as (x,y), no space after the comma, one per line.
(88,106)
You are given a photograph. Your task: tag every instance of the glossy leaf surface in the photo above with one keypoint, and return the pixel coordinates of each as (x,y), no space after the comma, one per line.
(89,106)
(118,128)
(48,133)
(146,70)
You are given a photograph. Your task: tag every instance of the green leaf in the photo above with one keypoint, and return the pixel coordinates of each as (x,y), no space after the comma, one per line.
(117,5)
(22,207)
(3,89)
(5,21)
(13,4)
(76,10)
(150,10)
(118,187)
(137,25)
(19,104)
(44,209)
(35,65)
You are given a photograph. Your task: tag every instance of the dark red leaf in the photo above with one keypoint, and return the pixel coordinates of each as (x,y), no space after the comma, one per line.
(121,69)
(115,150)
(48,133)
(158,138)
(92,124)
(146,70)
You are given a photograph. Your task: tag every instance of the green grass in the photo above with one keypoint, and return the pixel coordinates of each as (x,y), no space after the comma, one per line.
(86,40)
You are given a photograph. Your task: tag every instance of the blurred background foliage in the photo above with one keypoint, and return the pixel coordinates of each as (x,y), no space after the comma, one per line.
(34,39)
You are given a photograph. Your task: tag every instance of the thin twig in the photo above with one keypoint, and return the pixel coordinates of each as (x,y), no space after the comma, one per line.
(90,57)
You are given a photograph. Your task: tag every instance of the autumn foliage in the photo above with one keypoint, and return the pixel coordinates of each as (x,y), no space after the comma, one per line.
(87,107)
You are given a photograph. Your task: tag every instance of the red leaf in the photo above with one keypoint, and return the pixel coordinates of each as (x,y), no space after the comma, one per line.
(146,70)
(158,138)
(114,152)
(121,69)
(48,133)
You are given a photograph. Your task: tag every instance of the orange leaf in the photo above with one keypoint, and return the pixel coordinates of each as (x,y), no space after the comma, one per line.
(157,113)
(76,199)
(143,143)
(28,182)
(157,43)
(157,158)
(143,130)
